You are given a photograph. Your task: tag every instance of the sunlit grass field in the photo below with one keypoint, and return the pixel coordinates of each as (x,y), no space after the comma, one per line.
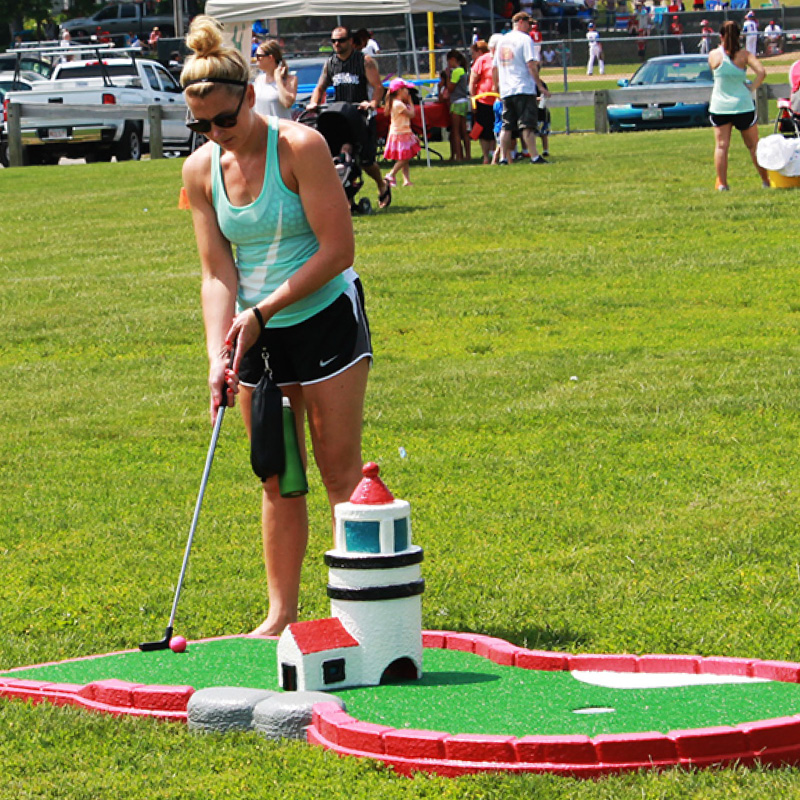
(585,384)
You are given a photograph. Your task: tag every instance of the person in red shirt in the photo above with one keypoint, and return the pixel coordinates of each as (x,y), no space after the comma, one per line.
(481,90)
(536,35)
(676,29)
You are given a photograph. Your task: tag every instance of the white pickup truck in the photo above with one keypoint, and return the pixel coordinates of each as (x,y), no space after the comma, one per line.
(106,81)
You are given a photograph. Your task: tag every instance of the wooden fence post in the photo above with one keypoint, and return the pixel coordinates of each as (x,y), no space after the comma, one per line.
(156,137)
(601,111)
(762,104)
(14,136)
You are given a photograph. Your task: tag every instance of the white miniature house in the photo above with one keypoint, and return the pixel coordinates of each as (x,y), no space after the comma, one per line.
(375,587)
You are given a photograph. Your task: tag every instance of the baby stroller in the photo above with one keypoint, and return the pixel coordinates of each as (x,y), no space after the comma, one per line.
(345,130)
(788,120)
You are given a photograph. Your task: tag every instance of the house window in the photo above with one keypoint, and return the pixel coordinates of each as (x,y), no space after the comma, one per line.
(333,671)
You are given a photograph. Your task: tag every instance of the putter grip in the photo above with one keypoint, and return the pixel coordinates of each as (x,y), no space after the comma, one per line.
(223,403)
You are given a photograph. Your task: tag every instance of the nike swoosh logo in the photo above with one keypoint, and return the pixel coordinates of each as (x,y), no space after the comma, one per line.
(327,361)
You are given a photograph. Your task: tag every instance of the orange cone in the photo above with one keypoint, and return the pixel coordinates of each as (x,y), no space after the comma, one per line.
(183,200)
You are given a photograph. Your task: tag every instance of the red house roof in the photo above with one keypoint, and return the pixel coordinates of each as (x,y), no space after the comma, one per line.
(318,635)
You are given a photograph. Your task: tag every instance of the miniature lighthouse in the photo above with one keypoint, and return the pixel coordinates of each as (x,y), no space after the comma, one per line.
(375,586)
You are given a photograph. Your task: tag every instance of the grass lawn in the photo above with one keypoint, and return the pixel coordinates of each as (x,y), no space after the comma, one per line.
(585,384)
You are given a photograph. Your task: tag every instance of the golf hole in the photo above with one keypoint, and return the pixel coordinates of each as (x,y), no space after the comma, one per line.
(594,710)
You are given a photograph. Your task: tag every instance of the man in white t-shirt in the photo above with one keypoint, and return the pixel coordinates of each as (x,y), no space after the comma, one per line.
(773,34)
(516,77)
(750,30)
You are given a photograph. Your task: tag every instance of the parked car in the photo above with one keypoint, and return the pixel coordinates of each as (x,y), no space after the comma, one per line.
(10,83)
(308,71)
(112,81)
(666,71)
(119,19)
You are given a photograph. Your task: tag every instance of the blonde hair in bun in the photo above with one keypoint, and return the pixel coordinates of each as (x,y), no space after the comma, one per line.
(212,58)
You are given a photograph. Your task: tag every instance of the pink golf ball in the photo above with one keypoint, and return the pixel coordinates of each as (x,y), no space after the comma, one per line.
(177,644)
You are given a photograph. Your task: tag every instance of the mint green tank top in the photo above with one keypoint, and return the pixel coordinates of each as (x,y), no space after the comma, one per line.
(272,239)
(730,94)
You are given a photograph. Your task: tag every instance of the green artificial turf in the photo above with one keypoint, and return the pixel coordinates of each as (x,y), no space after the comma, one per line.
(458,693)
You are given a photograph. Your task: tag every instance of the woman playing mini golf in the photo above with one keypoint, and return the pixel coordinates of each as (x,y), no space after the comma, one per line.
(275,241)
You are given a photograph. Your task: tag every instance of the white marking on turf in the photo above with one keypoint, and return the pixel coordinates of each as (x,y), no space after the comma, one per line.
(656,680)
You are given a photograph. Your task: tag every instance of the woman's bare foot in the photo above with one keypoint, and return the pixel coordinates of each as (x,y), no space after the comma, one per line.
(270,627)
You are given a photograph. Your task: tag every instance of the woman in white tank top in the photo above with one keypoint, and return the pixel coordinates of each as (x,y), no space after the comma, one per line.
(276,89)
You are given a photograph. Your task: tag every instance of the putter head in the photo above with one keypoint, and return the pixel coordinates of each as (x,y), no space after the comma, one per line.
(161,644)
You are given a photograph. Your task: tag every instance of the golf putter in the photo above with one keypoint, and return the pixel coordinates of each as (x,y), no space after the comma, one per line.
(163,644)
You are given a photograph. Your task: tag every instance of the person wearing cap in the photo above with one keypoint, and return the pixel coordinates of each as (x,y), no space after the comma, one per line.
(595,50)
(401,143)
(773,36)
(515,73)
(536,38)
(352,74)
(750,29)
(676,29)
(706,32)
(155,35)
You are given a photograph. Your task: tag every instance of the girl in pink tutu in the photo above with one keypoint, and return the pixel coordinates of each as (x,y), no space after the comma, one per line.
(401,143)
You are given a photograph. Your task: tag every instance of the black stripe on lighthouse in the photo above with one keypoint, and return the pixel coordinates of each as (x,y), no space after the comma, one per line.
(393,592)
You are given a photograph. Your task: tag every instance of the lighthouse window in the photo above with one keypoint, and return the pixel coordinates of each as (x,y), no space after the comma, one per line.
(333,671)
(401,534)
(362,536)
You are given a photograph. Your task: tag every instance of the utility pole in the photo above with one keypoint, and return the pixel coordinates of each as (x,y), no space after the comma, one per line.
(178,16)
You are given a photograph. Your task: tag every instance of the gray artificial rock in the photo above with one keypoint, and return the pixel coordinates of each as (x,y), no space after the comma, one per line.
(224,708)
(287,715)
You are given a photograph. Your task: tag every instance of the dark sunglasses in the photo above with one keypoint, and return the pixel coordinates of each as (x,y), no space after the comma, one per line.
(227,120)
(339,41)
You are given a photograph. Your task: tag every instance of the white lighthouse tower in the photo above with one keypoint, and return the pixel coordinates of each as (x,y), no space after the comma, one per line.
(375,587)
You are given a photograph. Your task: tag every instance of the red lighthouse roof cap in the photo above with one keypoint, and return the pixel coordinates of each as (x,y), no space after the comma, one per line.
(371,490)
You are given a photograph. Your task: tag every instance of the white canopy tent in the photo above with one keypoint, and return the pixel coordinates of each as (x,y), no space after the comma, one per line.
(247,10)
(238,16)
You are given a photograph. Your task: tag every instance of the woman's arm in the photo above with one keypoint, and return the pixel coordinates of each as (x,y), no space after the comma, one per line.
(219,280)
(286,85)
(307,168)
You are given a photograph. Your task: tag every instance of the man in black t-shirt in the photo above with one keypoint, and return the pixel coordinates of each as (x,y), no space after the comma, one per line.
(352,73)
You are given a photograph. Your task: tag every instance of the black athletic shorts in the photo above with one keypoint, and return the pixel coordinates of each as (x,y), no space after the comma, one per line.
(741,121)
(315,349)
(484,116)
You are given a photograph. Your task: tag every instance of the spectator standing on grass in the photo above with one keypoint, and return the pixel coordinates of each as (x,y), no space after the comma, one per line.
(732,105)
(750,29)
(352,74)
(456,88)
(275,88)
(275,242)
(401,143)
(481,90)
(706,32)
(516,78)
(595,50)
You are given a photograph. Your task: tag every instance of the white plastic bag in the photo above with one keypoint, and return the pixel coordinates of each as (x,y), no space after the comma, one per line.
(792,167)
(772,152)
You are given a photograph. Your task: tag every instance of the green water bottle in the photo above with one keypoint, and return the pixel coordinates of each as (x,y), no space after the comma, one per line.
(292,480)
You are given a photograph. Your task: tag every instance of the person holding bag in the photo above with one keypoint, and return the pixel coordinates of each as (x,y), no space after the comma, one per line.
(276,246)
